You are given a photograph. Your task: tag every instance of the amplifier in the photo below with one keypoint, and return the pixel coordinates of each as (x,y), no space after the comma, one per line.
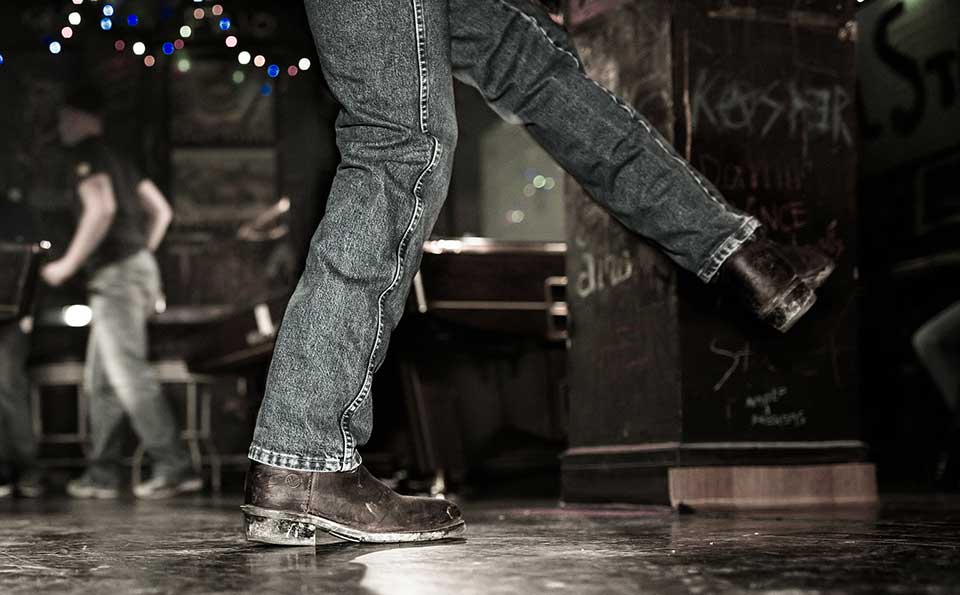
(19,268)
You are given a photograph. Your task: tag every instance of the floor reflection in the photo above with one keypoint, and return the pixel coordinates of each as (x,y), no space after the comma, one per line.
(195,546)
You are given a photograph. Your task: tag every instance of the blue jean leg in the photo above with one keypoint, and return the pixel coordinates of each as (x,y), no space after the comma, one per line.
(388,64)
(18,446)
(526,66)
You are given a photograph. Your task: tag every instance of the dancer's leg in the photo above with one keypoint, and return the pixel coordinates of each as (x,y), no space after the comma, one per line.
(526,66)
(388,65)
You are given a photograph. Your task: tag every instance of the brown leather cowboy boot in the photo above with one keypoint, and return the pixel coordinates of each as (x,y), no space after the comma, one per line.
(776,283)
(286,507)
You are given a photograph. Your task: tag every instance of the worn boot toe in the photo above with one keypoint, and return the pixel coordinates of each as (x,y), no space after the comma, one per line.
(290,507)
(775,283)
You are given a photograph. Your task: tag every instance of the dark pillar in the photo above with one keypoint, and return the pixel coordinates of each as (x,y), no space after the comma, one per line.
(674,395)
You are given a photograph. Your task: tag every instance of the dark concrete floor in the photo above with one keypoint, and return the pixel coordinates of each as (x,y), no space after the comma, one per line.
(194,546)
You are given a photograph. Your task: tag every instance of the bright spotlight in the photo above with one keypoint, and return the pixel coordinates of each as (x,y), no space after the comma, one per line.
(77,316)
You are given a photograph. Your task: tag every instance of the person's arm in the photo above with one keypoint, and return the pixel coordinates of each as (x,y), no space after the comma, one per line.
(99,207)
(159,213)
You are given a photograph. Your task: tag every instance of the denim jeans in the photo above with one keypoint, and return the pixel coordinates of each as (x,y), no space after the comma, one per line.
(118,379)
(390,64)
(18,448)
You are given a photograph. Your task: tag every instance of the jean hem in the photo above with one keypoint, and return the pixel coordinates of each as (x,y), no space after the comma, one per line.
(728,247)
(303,463)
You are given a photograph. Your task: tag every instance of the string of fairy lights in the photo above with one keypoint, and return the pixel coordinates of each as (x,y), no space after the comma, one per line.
(110,20)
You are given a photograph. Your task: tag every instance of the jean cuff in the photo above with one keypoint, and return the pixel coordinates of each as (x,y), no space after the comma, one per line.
(728,247)
(302,462)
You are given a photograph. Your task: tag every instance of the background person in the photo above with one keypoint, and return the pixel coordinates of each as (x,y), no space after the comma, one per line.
(18,447)
(123,219)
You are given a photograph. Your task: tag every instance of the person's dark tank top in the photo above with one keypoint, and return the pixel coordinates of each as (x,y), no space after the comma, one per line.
(127,234)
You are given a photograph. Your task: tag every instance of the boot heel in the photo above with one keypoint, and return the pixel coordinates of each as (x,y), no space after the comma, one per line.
(790,307)
(279,531)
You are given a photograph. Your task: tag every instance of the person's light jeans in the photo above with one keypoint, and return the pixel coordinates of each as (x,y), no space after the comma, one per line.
(391,64)
(18,447)
(118,379)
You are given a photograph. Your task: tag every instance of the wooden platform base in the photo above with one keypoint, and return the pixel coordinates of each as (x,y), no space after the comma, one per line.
(714,474)
(773,486)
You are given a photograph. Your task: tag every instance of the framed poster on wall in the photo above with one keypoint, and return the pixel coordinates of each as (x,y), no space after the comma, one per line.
(220,187)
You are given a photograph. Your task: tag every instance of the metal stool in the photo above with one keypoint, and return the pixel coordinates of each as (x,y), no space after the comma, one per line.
(196,431)
(197,427)
(59,374)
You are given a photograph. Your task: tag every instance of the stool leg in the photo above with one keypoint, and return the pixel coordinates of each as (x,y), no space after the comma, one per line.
(216,473)
(136,467)
(83,414)
(191,431)
(206,436)
(36,418)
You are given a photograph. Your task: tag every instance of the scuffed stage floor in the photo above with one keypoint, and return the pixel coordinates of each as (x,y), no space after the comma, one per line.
(194,546)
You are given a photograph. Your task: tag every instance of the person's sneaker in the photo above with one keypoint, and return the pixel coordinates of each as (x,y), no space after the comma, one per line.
(285,507)
(166,486)
(6,490)
(30,484)
(775,283)
(85,488)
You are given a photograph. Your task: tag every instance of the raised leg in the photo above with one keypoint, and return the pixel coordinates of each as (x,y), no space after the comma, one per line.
(528,69)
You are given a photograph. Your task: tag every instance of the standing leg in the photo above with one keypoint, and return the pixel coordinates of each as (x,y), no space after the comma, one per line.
(18,447)
(526,66)
(388,64)
(106,418)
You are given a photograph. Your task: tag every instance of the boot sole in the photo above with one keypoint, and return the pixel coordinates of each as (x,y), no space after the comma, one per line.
(788,308)
(287,528)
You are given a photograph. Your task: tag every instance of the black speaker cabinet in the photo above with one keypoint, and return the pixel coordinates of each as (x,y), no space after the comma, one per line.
(19,266)
(675,396)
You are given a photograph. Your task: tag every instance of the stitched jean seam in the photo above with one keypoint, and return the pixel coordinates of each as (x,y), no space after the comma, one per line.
(348,439)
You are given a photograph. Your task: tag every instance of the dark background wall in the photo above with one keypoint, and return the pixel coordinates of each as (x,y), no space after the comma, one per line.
(909,78)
